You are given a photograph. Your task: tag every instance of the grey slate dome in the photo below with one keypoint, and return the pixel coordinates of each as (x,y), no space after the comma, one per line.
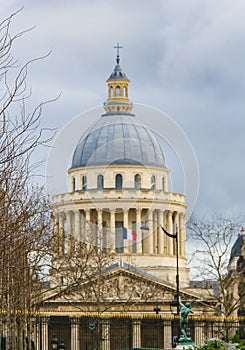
(118,138)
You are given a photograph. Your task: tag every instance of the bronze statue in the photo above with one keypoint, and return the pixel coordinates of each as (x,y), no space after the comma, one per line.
(184,312)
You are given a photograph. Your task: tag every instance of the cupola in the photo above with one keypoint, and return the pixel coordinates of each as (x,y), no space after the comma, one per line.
(118,100)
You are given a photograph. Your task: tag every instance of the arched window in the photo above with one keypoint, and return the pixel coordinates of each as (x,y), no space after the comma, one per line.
(137,181)
(118,91)
(125,94)
(84,183)
(100,182)
(118,181)
(73,184)
(153,182)
(111,91)
(163,183)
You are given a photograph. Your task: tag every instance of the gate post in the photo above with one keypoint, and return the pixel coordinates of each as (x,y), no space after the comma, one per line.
(75,322)
(167,329)
(105,334)
(136,333)
(44,329)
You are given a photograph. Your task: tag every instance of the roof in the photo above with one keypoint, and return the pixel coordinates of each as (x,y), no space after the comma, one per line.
(118,138)
(236,249)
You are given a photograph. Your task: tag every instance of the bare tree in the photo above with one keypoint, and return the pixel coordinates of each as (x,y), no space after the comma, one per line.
(25,219)
(212,240)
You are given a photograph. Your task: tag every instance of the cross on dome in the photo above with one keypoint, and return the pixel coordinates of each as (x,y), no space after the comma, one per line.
(118,47)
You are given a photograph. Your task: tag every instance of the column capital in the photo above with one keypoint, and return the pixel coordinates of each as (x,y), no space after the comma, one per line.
(45,319)
(75,320)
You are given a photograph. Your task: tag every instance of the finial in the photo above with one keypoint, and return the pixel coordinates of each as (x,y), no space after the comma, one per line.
(118,47)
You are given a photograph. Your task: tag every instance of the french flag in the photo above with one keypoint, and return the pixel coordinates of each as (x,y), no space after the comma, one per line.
(128,234)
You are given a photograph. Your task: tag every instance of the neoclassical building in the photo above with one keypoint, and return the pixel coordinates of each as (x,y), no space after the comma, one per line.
(119,179)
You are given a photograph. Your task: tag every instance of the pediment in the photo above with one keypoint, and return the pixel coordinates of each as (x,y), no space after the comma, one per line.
(119,284)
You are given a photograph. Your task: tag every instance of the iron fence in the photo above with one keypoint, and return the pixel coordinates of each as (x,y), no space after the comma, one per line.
(113,333)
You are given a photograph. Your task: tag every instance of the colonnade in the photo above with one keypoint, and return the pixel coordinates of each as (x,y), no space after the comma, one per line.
(103,226)
(42,335)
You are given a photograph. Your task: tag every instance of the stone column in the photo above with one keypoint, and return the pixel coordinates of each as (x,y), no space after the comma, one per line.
(75,322)
(176,229)
(77,225)
(37,334)
(181,234)
(105,345)
(155,233)
(161,233)
(112,229)
(170,230)
(150,233)
(125,224)
(138,231)
(44,325)
(55,223)
(61,233)
(88,227)
(136,333)
(68,231)
(100,228)
(167,329)
(199,333)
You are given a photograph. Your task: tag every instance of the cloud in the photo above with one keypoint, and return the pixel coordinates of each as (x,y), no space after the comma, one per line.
(183,57)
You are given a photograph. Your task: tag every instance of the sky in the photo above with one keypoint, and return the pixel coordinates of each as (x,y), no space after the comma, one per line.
(183,58)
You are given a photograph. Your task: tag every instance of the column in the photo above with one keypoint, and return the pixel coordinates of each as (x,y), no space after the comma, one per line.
(37,334)
(112,229)
(167,329)
(83,225)
(99,228)
(176,229)
(138,231)
(61,233)
(181,226)
(155,233)
(170,230)
(88,231)
(56,238)
(105,345)
(161,233)
(77,225)
(69,230)
(150,232)
(125,224)
(199,332)
(44,325)
(136,333)
(75,322)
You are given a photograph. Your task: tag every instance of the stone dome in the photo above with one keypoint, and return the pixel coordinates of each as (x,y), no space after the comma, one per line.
(118,138)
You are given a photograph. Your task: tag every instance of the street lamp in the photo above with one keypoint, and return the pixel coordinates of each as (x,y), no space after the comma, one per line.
(144,227)
(157,309)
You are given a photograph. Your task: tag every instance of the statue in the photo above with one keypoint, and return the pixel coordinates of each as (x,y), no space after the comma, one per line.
(184,312)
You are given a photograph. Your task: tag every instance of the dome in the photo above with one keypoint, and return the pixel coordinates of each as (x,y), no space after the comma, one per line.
(118,138)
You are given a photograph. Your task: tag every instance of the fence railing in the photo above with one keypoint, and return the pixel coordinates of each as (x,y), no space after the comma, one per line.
(128,332)
(73,331)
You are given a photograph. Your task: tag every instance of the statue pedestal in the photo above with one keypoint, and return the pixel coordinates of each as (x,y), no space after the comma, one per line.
(185,344)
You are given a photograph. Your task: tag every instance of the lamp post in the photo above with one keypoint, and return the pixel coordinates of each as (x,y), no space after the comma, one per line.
(144,227)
